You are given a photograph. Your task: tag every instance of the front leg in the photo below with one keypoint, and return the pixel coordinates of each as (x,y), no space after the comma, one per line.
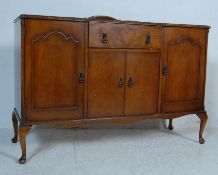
(23,130)
(203,117)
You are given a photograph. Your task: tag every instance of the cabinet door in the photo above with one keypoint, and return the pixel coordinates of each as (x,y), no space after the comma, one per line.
(142,83)
(183,69)
(54,59)
(105,83)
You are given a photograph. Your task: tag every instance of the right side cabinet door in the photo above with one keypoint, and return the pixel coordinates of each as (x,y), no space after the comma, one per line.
(142,83)
(183,69)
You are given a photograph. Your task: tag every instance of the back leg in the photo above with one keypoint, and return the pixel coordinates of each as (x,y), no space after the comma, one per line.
(170,127)
(15,126)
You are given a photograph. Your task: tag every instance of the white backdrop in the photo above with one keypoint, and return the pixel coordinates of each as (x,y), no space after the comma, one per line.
(172,11)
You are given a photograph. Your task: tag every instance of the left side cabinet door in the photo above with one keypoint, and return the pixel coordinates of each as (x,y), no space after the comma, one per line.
(54,69)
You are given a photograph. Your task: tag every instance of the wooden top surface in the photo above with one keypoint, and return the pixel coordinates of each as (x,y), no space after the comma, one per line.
(107,19)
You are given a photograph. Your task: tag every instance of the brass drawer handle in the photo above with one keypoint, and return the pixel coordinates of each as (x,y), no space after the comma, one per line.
(165,70)
(130,82)
(148,39)
(121,82)
(104,38)
(81,78)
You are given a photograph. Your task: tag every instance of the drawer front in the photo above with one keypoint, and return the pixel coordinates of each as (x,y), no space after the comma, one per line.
(111,35)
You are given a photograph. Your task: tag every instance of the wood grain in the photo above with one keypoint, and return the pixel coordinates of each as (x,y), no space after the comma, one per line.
(123,35)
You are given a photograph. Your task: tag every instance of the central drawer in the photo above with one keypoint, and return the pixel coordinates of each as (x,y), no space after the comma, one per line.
(115,35)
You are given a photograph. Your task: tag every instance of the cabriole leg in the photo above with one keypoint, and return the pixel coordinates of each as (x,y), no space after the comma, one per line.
(23,130)
(203,117)
(15,126)
(170,127)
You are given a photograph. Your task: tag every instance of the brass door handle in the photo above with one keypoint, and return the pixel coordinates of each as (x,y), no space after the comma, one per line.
(130,82)
(121,82)
(165,70)
(148,39)
(104,38)
(81,78)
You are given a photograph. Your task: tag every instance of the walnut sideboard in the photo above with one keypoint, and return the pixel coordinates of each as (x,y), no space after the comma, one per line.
(75,71)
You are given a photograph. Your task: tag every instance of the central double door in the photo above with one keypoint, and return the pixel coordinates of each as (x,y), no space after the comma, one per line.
(122,83)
